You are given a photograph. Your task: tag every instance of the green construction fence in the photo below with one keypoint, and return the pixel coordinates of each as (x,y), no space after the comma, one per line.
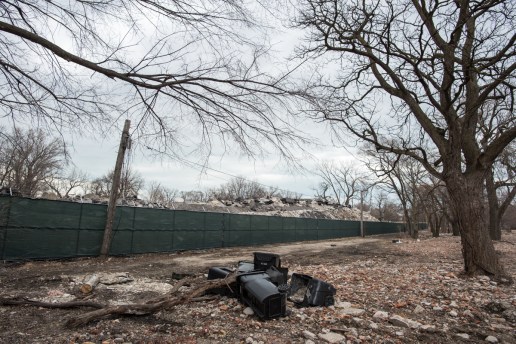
(41,229)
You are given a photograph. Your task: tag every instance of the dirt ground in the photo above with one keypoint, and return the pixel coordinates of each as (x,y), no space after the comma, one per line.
(387,292)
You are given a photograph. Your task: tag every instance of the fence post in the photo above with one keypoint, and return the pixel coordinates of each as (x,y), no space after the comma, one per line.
(78,232)
(6,226)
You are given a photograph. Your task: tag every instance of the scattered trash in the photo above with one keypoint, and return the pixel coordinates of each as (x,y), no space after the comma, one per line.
(263,261)
(308,291)
(263,286)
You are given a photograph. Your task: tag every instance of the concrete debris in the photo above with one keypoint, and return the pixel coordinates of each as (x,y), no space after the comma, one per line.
(309,335)
(273,206)
(332,337)
(397,320)
(381,315)
(463,336)
(248,311)
(352,311)
(419,309)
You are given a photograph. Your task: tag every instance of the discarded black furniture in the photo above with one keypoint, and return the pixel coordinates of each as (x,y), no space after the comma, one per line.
(308,291)
(258,292)
(262,285)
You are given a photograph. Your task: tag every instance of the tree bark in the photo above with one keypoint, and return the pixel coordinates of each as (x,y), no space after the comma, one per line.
(495,231)
(467,201)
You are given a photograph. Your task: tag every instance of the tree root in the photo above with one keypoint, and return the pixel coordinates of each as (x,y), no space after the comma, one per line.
(17,301)
(149,307)
(154,305)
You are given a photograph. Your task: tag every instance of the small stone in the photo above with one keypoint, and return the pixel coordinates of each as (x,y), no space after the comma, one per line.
(343,304)
(428,328)
(453,313)
(437,308)
(249,340)
(399,333)
(308,341)
(373,325)
(467,313)
(248,311)
(418,309)
(396,320)
(463,335)
(352,311)
(453,304)
(309,335)
(332,337)
(381,315)
(118,340)
(491,339)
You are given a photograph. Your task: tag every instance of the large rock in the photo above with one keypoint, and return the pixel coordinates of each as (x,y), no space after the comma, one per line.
(381,315)
(332,337)
(397,320)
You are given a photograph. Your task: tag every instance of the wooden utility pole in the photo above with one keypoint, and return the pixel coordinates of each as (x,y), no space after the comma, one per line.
(124,141)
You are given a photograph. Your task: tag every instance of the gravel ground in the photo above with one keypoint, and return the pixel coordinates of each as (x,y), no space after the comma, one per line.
(387,292)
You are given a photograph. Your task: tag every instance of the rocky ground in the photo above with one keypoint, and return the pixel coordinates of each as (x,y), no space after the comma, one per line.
(387,292)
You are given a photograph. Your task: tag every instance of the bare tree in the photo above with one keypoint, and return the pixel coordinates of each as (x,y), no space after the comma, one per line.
(64,184)
(501,189)
(342,179)
(241,188)
(175,67)
(131,183)
(437,64)
(28,158)
(161,194)
(402,176)
(384,209)
(434,201)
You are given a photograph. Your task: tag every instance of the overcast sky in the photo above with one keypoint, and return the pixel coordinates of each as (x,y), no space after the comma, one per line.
(97,155)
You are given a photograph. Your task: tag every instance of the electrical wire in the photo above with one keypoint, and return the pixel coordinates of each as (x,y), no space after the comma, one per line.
(202,168)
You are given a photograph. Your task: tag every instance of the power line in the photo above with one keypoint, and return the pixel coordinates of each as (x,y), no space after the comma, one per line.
(204,167)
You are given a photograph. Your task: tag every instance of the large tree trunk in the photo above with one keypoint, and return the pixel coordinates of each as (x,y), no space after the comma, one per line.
(467,202)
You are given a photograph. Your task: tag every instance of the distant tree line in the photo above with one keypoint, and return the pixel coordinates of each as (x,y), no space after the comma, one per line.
(390,187)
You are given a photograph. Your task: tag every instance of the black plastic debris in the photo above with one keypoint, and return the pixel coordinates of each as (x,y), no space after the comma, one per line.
(308,291)
(277,276)
(263,260)
(218,273)
(263,286)
(244,266)
(258,292)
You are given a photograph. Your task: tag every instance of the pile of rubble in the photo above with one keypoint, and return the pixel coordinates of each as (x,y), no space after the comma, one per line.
(289,207)
(272,206)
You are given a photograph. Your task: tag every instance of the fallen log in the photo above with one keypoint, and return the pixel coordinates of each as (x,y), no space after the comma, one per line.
(152,306)
(90,282)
